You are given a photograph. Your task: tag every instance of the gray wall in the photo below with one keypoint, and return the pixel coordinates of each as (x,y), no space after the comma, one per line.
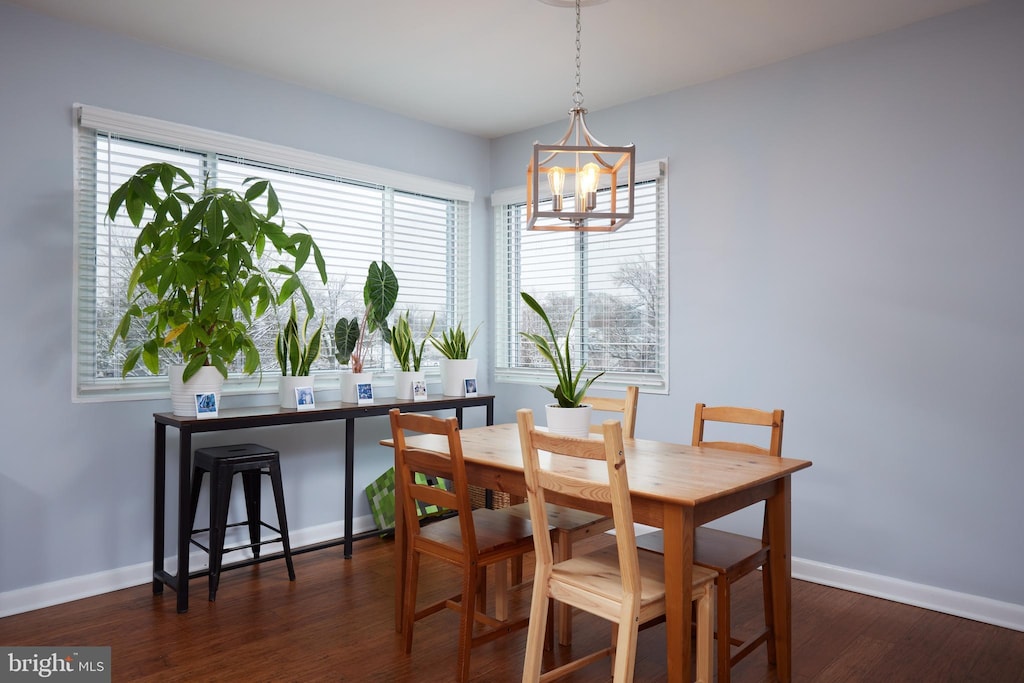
(846,238)
(76,478)
(847,243)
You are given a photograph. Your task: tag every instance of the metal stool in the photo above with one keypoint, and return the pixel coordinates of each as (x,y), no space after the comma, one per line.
(223,462)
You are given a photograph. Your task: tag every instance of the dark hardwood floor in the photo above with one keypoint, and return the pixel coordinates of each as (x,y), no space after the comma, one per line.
(335,623)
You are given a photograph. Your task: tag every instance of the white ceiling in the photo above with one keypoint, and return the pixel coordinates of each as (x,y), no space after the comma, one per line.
(492,67)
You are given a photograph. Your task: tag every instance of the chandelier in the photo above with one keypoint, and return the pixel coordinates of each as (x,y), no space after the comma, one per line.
(580,168)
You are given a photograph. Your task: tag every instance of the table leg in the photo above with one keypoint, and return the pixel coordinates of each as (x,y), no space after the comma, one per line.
(184,515)
(159,503)
(779,511)
(678,534)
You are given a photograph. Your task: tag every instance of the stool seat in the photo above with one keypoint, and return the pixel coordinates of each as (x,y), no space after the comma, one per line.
(223,463)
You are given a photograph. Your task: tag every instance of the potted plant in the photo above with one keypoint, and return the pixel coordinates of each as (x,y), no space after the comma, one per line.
(408,355)
(568,415)
(351,336)
(197,283)
(296,350)
(456,366)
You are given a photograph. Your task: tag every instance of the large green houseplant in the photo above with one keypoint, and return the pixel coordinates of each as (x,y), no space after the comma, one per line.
(570,386)
(198,281)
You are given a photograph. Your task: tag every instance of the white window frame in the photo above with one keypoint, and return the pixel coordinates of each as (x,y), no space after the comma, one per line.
(88,119)
(507,301)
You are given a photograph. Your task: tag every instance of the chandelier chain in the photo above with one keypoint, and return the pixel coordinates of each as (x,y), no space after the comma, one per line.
(577,97)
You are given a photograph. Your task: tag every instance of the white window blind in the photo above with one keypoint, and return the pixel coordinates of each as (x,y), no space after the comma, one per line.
(618,281)
(355,213)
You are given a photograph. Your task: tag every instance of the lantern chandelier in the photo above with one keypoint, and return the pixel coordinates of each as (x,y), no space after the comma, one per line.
(582,166)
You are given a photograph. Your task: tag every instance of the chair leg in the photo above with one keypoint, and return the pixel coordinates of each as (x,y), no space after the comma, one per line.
(282,518)
(251,487)
(563,612)
(540,609)
(481,587)
(722,635)
(412,574)
(769,610)
(470,581)
(705,650)
(624,655)
(500,570)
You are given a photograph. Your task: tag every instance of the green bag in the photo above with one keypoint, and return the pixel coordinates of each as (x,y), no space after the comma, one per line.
(381,495)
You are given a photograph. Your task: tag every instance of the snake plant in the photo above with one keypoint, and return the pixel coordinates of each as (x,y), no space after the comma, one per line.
(296,350)
(569,391)
(453,343)
(404,348)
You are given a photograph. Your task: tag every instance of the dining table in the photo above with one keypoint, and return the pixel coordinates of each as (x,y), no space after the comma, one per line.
(676,487)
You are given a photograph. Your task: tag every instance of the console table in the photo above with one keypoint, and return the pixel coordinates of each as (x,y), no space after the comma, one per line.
(263,416)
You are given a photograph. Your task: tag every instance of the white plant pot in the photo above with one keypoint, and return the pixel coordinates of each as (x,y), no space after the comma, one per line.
(404,380)
(568,421)
(454,373)
(183,394)
(286,388)
(349,380)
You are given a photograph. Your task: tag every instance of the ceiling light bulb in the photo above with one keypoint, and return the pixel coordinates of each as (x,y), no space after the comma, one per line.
(556,180)
(589,175)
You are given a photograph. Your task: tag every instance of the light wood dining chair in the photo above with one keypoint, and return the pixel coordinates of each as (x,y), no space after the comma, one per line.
(732,556)
(571,526)
(472,540)
(614,583)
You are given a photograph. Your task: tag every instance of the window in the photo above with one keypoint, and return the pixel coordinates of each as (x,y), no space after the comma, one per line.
(617,280)
(355,213)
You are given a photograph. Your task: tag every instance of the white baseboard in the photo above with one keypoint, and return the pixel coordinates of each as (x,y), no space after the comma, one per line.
(977,608)
(986,610)
(75,588)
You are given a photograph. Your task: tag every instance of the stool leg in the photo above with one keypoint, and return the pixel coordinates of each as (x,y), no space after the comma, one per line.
(252,487)
(282,519)
(197,484)
(220,492)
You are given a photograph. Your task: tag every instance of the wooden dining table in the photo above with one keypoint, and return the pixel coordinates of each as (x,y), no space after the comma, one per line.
(673,486)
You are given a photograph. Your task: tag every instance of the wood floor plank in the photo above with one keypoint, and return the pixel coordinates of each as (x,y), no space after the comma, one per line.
(335,623)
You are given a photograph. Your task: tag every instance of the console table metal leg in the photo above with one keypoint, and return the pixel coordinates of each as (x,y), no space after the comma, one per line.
(159,501)
(184,515)
(350,448)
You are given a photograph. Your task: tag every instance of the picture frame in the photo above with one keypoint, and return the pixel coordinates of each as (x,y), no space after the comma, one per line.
(206,405)
(305,399)
(419,390)
(470,386)
(364,393)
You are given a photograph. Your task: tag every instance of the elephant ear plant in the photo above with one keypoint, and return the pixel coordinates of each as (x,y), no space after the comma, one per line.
(198,283)
(569,391)
(379,296)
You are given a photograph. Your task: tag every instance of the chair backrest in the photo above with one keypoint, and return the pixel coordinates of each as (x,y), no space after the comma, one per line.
(410,460)
(625,405)
(744,416)
(614,488)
